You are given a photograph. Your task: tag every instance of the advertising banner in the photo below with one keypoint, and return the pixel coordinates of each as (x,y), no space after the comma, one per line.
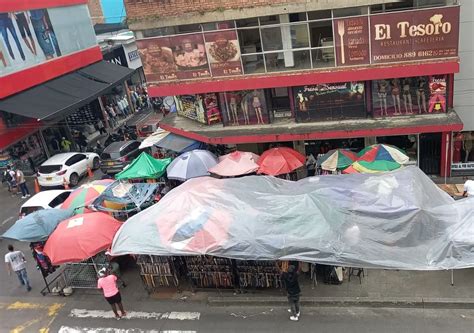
(157,58)
(414,35)
(411,95)
(190,56)
(224,53)
(352,41)
(116,56)
(31,37)
(330,101)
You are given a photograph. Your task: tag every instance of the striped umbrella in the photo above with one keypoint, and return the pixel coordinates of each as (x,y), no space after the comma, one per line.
(81,197)
(375,166)
(337,159)
(383,152)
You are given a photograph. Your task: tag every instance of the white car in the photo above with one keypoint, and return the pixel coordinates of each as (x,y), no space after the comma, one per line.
(44,200)
(67,167)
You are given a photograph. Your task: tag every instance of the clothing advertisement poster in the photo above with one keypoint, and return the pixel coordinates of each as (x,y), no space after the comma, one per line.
(224,53)
(406,96)
(330,101)
(247,107)
(191,106)
(31,37)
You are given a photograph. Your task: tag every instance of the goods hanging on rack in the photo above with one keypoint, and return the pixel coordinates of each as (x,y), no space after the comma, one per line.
(258,274)
(157,271)
(210,272)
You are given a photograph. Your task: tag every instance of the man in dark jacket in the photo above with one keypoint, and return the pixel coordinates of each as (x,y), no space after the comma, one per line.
(290,279)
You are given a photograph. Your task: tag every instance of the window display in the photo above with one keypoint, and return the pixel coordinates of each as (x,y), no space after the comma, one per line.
(31,37)
(330,101)
(245,107)
(411,95)
(191,106)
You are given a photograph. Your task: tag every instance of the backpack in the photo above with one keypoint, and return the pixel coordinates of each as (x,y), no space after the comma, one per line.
(7,177)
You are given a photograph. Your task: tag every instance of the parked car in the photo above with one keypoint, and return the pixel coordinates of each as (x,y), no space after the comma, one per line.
(66,166)
(117,155)
(44,200)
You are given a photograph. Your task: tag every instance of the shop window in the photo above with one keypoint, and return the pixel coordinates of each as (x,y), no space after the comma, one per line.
(271,19)
(463,151)
(271,39)
(279,102)
(253,64)
(191,106)
(430,3)
(246,107)
(323,56)
(181,29)
(412,95)
(158,32)
(297,17)
(299,36)
(225,25)
(352,11)
(209,26)
(249,40)
(402,5)
(288,60)
(330,101)
(320,33)
(319,15)
(248,22)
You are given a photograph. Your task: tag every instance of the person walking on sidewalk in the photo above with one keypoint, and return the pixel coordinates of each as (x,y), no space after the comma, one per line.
(292,286)
(20,179)
(108,283)
(15,261)
(65,145)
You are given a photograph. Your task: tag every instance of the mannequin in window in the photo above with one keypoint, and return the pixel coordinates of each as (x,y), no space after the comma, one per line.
(302,102)
(245,109)
(407,102)
(395,85)
(257,106)
(467,145)
(382,94)
(420,95)
(457,145)
(233,109)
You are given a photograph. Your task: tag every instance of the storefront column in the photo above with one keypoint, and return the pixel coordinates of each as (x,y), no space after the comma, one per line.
(104,113)
(299,147)
(445,166)
(43,142)
(127,91)
(370,140)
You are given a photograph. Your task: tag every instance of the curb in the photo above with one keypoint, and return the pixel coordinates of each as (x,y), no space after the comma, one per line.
(389,302)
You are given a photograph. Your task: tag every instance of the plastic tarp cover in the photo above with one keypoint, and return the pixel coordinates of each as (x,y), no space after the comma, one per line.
(396,220)
(125,193)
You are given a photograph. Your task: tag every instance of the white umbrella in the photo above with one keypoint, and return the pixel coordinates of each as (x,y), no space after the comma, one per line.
(195,163)
(154,138)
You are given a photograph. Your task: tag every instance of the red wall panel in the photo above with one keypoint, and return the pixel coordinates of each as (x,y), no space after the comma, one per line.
(19,5)
(30,77)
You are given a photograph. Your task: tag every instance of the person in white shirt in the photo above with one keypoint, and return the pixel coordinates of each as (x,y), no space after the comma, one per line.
(15,261)
(468,188)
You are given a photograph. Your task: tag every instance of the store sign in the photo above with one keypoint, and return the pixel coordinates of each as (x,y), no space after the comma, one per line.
(414,35)
(116,56)
(352,41)
(224,53)
(133,55)
(330,101)
(29,38)
(174,58)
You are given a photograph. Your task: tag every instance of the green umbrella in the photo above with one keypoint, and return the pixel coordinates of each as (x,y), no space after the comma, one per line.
(144,167)
(337,159)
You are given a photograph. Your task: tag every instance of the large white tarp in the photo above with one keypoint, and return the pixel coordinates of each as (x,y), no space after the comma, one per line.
(398,220)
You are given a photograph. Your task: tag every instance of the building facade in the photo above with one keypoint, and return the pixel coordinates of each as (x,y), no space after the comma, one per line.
(313,75)
(52,79)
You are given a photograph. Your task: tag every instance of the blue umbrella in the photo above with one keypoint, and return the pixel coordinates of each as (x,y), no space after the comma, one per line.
(38,225)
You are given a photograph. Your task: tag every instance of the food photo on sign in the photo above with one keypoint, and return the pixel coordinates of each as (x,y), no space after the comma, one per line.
(157,58)
(330,101)
(223,51)
(408,96)
(189,53)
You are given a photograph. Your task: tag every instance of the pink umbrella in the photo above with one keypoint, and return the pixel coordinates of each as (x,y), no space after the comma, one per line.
(236,164)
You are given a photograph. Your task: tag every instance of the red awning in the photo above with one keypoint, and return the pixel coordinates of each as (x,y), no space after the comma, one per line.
(10,136)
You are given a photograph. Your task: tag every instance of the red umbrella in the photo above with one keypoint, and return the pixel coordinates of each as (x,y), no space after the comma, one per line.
(281,160)
(81,237)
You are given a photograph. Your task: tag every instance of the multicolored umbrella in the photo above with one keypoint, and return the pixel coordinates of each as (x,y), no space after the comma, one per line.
(81,237)
(375,166)
(37,226)
(81,197)
(383,152)
(236,164)
(195,163)
(281,160)
(337,159)
(350,169)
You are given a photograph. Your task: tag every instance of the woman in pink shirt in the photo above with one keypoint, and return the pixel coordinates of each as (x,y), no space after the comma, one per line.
(108,284)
